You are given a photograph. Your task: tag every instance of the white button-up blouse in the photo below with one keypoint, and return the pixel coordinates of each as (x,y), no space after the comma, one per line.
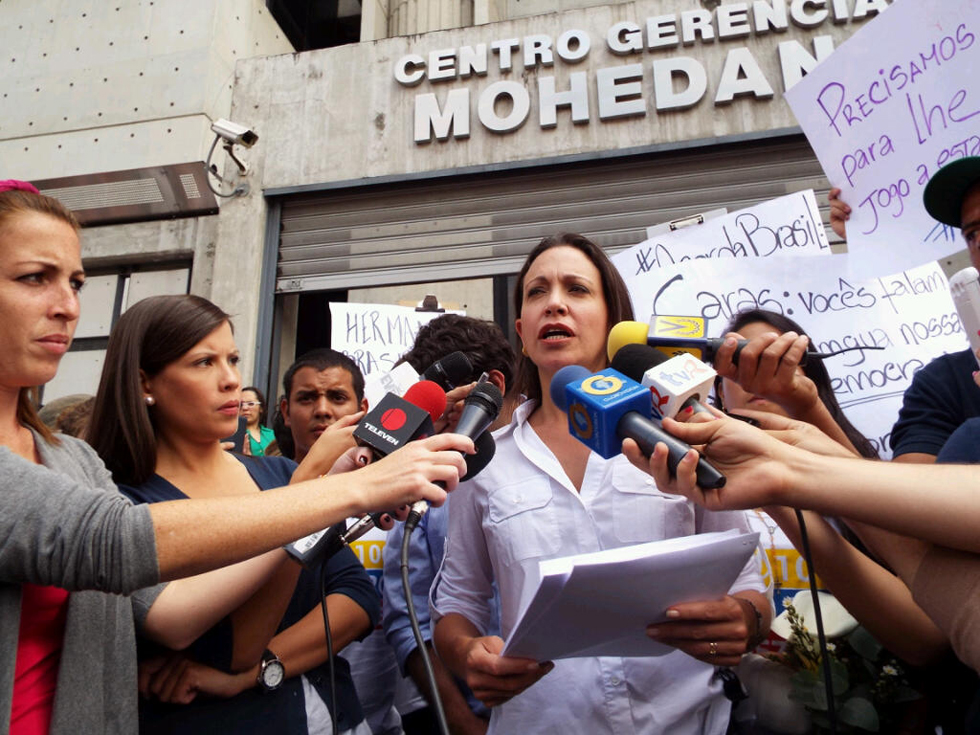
(522,509)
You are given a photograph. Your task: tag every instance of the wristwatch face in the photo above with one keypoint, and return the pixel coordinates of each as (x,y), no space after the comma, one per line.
(272,674)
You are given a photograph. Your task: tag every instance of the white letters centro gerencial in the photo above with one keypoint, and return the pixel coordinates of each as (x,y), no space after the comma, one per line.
(673,382)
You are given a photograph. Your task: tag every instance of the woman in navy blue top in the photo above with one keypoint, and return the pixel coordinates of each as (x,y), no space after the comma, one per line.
(169,392)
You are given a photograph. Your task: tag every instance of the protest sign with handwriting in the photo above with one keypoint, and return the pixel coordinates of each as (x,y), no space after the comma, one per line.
(376,335)
(893,104)
(788,225)
(910,314)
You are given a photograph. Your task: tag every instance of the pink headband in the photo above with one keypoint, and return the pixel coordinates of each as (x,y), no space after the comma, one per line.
(15,185)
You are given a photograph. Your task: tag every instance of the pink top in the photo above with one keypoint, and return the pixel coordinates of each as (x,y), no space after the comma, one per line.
(43,612)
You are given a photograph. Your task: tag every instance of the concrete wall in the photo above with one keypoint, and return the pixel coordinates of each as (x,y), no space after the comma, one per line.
(87,87)
(102,86)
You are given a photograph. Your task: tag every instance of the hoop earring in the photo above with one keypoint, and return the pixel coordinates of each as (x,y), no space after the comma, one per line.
(150,400)
(524,350)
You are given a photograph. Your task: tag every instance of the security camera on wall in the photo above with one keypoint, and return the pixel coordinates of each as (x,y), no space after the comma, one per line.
(234,133)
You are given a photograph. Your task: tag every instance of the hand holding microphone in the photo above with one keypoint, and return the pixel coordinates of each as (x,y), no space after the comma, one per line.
(426,467)
(675,335)
(480,410)
(770,368)
(607,407)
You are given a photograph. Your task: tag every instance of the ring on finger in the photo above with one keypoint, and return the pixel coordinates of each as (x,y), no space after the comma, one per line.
(712,649)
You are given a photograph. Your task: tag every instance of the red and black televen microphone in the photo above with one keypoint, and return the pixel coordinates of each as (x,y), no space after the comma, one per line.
(395,421)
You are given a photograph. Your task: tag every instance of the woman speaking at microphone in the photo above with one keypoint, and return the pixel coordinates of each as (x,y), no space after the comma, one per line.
(545,495)
(67,649)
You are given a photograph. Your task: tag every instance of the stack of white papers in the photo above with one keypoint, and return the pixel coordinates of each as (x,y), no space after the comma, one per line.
(599,604)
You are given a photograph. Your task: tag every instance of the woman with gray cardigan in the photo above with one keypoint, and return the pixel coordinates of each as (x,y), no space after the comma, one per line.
(67,537)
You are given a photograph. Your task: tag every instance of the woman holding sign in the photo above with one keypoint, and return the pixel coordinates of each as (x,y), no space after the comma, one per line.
(546,495)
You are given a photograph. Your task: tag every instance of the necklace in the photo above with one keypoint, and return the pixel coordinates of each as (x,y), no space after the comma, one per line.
(770,526)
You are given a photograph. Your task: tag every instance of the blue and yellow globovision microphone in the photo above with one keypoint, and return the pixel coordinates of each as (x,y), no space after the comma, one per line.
(606,407)
(596,402)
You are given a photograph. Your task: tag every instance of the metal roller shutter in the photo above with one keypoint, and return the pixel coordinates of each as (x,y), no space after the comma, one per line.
(476,225)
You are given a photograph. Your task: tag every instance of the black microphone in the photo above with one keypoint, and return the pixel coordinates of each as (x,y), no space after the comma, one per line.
(448,372)
(606,407)
(395,421)
(480,410)
(486,448)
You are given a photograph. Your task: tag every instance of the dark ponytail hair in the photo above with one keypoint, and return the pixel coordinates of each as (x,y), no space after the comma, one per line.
(149,336)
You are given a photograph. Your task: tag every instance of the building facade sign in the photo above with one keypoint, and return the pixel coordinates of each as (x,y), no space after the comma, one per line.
(457,96)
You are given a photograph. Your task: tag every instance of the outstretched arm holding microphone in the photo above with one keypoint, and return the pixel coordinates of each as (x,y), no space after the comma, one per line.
(764,468)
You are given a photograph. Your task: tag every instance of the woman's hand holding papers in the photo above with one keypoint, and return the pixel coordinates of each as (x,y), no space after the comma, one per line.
(494,678)
(718,632)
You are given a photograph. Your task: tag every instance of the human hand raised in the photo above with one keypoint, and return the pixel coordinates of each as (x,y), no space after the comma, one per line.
(335,440)
(796,433)
(769,367)
(840,212)
(754,463)
(411,472)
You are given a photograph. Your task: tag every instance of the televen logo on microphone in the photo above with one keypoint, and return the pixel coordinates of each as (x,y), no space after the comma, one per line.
(393,419)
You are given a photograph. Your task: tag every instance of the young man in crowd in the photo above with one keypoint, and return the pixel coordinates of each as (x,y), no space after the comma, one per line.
(321,387)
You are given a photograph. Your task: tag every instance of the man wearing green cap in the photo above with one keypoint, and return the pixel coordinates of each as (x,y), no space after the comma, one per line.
(942,394)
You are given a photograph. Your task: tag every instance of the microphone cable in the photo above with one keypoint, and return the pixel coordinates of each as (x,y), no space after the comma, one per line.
(482,406)
(416,630)
(332,706)
(828,680)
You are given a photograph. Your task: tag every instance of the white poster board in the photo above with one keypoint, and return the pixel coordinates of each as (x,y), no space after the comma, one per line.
(788,225)
(892,105)
(911,314)
(376,335)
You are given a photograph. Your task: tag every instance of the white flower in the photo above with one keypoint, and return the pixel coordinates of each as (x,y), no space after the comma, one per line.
(889,670)
(837,621)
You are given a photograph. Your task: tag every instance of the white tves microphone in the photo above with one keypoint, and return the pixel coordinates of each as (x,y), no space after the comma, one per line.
(675,383)
(964,286)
